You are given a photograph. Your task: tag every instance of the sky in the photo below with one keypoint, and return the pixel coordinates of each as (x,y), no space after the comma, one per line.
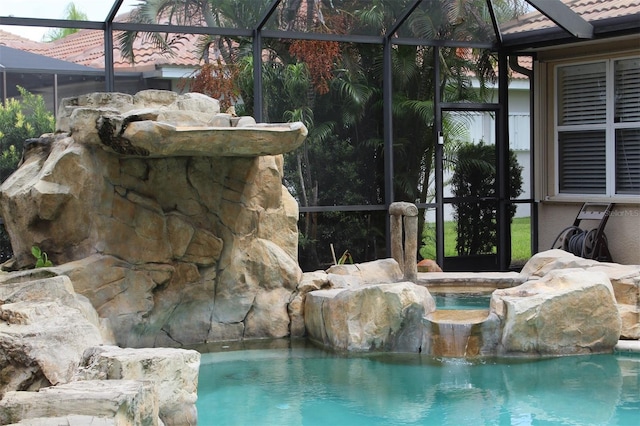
(96,10)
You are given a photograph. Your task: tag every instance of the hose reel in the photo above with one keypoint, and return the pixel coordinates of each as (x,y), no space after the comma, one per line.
(591,243)
(579,241)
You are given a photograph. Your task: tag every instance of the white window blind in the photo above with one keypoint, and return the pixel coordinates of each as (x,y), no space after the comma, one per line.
(628,161)
(627,90)
(582,94)
(583,162)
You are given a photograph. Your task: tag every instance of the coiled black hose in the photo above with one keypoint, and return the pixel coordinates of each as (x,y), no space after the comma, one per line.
(577,241)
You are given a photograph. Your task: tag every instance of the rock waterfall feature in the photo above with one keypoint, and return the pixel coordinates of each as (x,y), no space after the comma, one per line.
(170,217)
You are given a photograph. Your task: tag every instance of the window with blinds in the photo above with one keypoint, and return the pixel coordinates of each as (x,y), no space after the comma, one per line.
(598,127)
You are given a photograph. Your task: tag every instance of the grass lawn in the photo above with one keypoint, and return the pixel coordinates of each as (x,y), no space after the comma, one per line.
(520,240)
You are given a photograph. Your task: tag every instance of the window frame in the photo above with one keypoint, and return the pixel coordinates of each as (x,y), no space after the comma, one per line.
(609,127)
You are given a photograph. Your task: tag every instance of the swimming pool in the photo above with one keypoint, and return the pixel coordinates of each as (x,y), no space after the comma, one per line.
(462,301)
(303,385)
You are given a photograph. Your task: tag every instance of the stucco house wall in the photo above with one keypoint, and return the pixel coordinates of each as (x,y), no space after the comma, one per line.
(556,210)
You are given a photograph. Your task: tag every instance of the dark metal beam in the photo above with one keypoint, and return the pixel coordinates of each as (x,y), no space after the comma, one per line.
(564,17)
(258,97)
(114,10)
(402,18)
(494,22)
(265,18)
(408,41)
(503,218)
(439,156)
(181,29)
(387,129)
(52,23)
(343,38)
(109,74)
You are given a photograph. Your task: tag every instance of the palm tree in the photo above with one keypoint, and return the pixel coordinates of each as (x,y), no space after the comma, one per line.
(72,13)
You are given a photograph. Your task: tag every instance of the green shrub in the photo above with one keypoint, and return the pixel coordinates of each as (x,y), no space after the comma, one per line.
(474,177)
(20,119)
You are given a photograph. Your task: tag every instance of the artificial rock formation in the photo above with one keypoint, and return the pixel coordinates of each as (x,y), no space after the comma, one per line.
(566,312)
(168,216)
(558,311)
(625,280)
(173,374)
(107,402)
(365,308)
(57,364)
(45,327)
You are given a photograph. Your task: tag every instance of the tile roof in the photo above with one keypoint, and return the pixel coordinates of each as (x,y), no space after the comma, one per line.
(590,10)
(17,60)
(18,42)
(86,47)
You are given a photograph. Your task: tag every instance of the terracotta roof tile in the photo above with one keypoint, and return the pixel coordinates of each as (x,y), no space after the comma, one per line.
(18,42)
(590,10)
(86,47)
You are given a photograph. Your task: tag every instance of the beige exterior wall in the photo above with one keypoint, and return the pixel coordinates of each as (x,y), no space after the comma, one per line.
(557,211)
(622,229)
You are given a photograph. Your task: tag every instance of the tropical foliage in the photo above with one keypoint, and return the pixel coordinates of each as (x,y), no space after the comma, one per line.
(335,89)
(20,119)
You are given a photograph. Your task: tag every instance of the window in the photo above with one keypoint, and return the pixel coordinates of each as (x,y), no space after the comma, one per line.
(598,128)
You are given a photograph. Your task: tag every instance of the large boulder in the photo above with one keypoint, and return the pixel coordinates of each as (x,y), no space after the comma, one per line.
(51,338)
(178,232)
(374,317)
(176,397)
(44,329)
(568,311)
(376,272)
(100,402)
(382,271)
(625,280)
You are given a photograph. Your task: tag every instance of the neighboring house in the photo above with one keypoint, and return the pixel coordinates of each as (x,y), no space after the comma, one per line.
(587,123)
(86,48)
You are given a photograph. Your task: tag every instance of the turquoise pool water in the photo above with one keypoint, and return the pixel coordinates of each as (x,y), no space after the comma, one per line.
(307,386)
(462,301)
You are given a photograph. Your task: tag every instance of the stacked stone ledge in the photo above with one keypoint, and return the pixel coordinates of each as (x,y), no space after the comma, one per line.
(58,364)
